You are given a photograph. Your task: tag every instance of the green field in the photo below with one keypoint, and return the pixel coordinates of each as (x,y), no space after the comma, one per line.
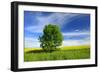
(65,53)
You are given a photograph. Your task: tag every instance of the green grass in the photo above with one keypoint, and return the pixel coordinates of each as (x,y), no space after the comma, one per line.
(65,53)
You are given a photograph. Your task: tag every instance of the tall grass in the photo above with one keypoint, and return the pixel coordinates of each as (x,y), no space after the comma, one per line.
(66,53)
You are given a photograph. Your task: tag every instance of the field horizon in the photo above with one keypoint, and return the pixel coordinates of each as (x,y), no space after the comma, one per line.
(65,53)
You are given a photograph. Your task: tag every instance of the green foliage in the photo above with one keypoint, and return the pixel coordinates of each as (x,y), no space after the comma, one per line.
(39,55)
(51,38)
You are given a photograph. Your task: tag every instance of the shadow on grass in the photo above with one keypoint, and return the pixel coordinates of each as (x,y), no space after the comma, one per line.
(42,51)
(36,51)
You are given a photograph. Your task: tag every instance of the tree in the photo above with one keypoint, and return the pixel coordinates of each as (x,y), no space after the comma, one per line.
(51,38)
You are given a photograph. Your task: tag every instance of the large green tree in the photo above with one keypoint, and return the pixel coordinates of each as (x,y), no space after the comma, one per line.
(51,39)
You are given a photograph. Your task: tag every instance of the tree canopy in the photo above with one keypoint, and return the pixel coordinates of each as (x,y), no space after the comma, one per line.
(51,38)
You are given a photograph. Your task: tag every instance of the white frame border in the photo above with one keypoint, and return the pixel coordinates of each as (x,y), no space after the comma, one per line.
(22,64)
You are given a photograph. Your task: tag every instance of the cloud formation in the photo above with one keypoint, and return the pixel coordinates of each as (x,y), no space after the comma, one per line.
(54,18)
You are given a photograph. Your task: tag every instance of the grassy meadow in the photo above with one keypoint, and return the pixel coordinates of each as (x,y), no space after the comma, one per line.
(65,53)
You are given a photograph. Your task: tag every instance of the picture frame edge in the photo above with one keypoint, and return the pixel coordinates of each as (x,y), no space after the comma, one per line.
(14,36)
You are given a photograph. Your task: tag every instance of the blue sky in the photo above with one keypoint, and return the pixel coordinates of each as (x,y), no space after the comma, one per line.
(75,27)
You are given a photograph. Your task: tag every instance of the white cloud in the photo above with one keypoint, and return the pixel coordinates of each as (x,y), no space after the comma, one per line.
(38,29)
(76,33)
(70,42)
(76,30)
(75,42)
(31,42)
(31,39)
(34,42)
(54,18)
